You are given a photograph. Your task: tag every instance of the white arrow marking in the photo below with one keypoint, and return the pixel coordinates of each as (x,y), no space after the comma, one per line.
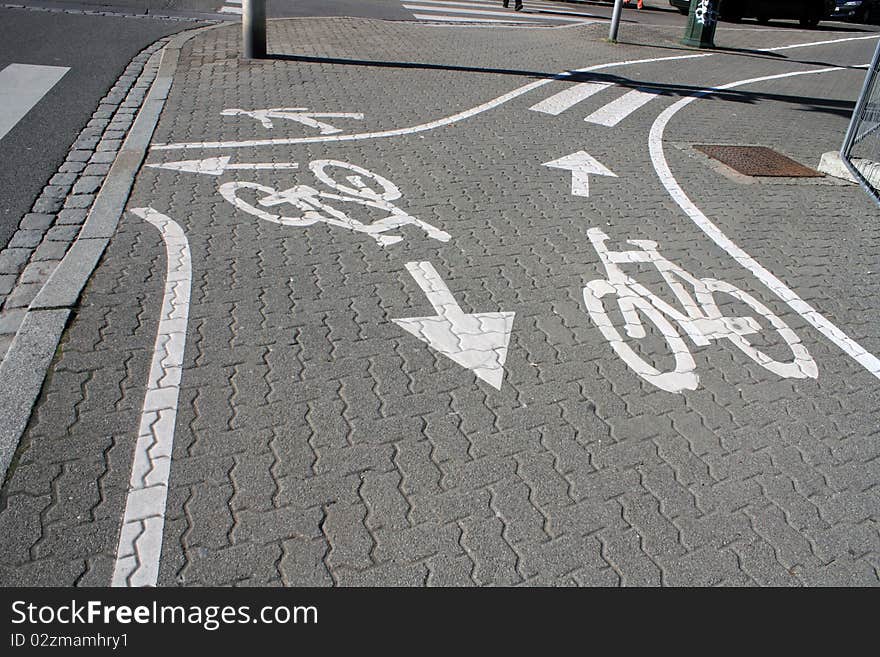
(477,341)
(581,165)
(297,114)
(215,166)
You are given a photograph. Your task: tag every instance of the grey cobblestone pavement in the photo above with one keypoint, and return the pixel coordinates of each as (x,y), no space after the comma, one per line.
(318,443)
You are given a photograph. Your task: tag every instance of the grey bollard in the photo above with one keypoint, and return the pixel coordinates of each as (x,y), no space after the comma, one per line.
(253,29)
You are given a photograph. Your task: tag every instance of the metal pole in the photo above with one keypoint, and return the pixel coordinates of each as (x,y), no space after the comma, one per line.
(253,29)
(615,21)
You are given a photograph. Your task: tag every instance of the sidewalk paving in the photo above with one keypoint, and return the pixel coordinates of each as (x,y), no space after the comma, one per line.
(443,409)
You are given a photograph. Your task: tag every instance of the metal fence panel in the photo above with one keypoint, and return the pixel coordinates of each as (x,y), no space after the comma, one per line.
(861,147)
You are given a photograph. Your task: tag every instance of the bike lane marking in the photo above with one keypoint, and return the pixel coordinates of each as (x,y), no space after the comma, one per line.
(780,289)
(143,523)
(476,341)
(423,127)
(479,109)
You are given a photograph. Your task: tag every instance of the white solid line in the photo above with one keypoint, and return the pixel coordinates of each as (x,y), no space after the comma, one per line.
(231,10)
(233,2)
(460,116)
(780,289)
(485,13)
(617,110)
(21,87)
(559,102)
(467,19)
(140,539)
(819,43)
(527,5)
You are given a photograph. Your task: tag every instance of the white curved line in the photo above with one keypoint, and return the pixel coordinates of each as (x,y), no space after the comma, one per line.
(492,104)
(140,539)
(780,289)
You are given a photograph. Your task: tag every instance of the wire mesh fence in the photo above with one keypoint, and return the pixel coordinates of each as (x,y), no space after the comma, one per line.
(861,147)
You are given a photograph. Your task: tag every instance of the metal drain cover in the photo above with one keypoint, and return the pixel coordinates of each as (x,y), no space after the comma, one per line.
(757,161)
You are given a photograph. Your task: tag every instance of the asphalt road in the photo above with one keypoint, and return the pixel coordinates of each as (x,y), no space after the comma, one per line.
(96,49)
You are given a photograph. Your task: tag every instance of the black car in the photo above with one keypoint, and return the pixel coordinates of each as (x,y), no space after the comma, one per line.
(859,11)
(808,12)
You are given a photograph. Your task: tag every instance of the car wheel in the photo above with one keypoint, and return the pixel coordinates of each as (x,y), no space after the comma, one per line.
(683,11)
(762,19)
(810,22)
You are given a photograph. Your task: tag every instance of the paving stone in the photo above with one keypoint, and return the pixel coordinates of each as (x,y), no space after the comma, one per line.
(48,204)
(50,251)
(34,221)
(38,272)
(71,216)
(72,167)
(13,261)
(79,201)
(88,184)
(25,239)
(316,443)
(97,170)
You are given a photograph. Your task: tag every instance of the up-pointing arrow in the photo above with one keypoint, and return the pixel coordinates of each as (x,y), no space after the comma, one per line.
(215,166)
(477,341)
(581,164)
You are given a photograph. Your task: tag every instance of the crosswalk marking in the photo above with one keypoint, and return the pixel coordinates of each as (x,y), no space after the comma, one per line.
(617,110)
(464,11)
(464,19)
(484,12)
(558,103)
(21,87)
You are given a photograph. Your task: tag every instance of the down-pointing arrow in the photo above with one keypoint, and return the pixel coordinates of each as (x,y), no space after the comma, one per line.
(216,166)
(477,341)
(581,164)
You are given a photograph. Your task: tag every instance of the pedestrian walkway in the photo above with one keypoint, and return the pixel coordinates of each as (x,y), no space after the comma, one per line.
(392,309)
(476,12)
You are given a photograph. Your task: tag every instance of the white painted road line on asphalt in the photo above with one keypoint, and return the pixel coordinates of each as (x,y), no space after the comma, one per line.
(485,13)
(460,116)
(140,539)
(780,289)
(464,19)
(559,102)
(231,10)
(21,87)
(617,110)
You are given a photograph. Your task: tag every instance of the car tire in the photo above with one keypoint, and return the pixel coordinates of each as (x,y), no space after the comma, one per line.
(762,19)
(683,11)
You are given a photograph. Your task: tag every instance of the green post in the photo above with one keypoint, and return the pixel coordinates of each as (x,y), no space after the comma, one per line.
(700,30)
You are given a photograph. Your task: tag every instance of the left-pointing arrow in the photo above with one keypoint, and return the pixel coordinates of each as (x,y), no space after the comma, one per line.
(216,166)
(477,341)
(582,165)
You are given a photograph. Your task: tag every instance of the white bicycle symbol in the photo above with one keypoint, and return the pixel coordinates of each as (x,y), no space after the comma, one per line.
(311,202)
(702,323)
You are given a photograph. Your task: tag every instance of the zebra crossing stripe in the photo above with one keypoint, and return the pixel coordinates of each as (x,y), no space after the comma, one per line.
(481,12)
(559,102)
(617,110)
(465,19)
(21,87)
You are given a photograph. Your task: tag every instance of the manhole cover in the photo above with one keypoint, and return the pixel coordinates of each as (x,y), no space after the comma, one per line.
(757,161)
